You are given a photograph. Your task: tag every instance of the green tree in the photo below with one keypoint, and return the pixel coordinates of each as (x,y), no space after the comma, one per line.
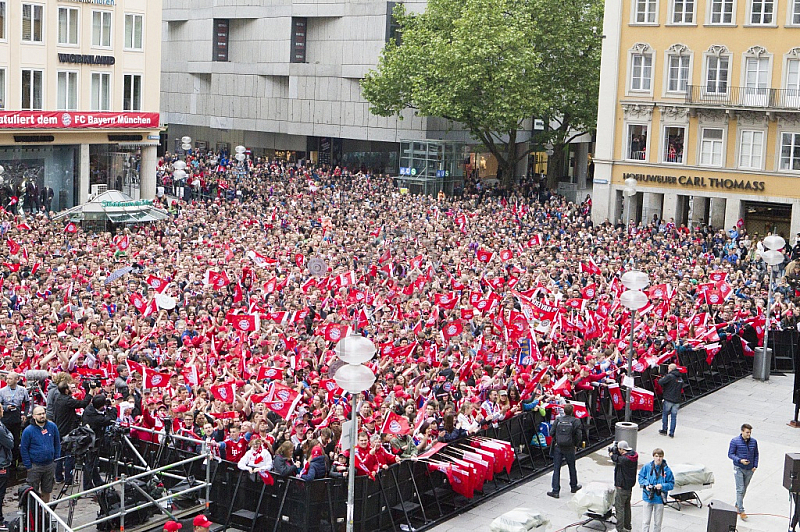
(492,65)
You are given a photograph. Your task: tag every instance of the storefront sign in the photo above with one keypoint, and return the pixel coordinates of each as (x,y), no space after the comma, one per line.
(87,59)
(133,203)
(76,120)
(96,2)
(698,181)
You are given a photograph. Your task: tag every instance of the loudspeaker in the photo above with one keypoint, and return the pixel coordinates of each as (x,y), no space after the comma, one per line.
(791,472)
(721,517)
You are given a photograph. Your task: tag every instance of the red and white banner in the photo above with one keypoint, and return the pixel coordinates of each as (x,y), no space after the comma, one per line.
(76,120)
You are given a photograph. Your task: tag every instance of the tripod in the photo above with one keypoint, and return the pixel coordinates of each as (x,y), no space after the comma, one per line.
(67,490)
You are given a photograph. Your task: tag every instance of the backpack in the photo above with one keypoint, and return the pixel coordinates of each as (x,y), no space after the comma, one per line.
(563,433)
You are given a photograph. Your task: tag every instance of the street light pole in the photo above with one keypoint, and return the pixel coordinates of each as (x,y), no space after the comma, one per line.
(351,466)
(633,299)
(772,257)
(630,368)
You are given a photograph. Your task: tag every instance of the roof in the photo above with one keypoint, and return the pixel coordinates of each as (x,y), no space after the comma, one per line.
(115,207)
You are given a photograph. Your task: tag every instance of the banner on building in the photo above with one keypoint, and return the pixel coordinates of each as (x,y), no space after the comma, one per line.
(76,120)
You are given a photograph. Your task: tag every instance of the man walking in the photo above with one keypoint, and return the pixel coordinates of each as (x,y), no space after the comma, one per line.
(626,462)
(39,446)
(566,437)
(656,479)
(743,450)
(672,384)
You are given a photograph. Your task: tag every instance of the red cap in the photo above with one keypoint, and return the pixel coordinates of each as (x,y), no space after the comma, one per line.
(202,520)
(172,526)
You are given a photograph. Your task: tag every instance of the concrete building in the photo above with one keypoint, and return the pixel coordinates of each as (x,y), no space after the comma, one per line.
(700,103)
(79,98)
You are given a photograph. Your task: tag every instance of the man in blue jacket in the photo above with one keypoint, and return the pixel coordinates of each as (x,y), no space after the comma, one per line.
(743,451)
(40,445)
(656,480)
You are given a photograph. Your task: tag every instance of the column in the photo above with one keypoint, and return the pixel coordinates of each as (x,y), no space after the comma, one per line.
(669,206)
(147,173)
(699,210)
(651,204)
(603,202)
(717,215)
(733,212)
(795,221)
(581,167)
(83,176)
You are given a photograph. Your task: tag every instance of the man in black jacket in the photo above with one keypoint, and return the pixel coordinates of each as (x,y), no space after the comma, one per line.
(672,384)
(67,420)
(98,416)
(567,432)
(626,464)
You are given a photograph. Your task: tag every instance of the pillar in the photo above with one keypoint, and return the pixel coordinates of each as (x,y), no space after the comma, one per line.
(581,166)
(83,176)
(795,221)
(651,204)
(733,212)
(717,214)
(699,210)
(669,207)
(147,173)
(603,202)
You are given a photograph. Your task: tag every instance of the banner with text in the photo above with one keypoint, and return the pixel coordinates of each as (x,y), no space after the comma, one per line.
(76,120)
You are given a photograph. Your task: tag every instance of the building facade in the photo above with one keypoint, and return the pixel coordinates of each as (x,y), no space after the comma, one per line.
(700,103)
(79,99)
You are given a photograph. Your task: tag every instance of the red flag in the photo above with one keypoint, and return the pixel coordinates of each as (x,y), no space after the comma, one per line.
(484,255)
(642,399)
(300,260)
(590,267)
(283,408)
(404,352)
(224,392)
(331,388)
(265,372)
(138,302)
(71,228)
(454,328)
(447,301)
(589,291)
(122,242)
(395,424)
(616,396)
(506,255)
(153,379)
(13,247)
(536,240)
(23,227)
(242,322)
(266,478)
(580,411)
(335,332)
(237,293)
(156,283)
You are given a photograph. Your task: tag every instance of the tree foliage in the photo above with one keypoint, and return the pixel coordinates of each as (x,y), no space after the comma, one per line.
(492,65)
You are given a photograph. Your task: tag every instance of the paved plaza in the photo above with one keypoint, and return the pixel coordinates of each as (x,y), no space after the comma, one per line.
(704,431)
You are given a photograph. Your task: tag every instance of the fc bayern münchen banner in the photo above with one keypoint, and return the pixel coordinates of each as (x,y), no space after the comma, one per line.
(76,120)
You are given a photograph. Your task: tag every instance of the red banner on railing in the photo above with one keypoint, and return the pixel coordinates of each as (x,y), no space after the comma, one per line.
(76,120)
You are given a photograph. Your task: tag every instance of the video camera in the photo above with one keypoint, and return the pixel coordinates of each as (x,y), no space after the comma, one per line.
(78,442)
(614,448)
(117,430)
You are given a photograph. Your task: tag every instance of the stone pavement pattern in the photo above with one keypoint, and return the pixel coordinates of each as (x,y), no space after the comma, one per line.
(704,431)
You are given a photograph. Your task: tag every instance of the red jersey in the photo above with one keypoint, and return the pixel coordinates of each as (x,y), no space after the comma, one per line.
(234,450)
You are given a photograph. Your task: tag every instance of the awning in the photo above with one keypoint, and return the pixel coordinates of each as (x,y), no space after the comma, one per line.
(116,207)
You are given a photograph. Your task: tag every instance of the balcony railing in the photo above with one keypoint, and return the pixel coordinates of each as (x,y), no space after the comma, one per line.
(748,97)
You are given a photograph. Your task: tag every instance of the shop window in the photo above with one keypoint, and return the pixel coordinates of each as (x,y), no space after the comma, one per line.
(711,147)
(2,88)
(2,20)
(67,91)
(101,91)
(32,90)
(132,97)
(68,25)
(32,20)
(637,142)
(101,29)
(673,144)
(221,34)
(133,31)
(790,151)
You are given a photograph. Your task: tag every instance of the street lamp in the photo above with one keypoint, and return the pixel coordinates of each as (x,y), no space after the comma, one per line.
(629,192)
(354,378)
(772,257)
(633,299)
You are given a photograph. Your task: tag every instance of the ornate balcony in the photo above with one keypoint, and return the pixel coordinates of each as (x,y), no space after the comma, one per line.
(743,98)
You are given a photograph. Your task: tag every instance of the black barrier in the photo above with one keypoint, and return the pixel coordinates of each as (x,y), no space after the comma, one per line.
(408,495)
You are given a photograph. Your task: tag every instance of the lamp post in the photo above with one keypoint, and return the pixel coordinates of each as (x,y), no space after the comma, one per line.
(629,192)
(773,256)
(354,377)
(240,157)
(633,299)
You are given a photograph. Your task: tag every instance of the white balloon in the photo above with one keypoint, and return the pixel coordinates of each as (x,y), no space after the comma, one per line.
(179,174)
(186,140)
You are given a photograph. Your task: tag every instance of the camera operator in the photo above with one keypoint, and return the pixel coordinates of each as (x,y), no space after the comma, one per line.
(656,480)
(67,420)
(98,415)
(15,402)
(626,462)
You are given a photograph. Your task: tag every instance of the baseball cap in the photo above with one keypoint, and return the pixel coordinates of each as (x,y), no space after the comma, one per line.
(622,444)
(202,520)
(172,526)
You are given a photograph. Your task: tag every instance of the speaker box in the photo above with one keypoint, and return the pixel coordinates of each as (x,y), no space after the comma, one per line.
(791,472)
(721,517)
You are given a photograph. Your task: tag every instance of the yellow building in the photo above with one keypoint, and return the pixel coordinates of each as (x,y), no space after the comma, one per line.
(700,103)
(79,98)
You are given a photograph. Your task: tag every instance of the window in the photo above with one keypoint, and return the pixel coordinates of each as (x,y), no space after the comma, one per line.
(101,91)
(132,96)
(133,32)
(32,18)
(221,27)
(641,71)
(756,82)
(678,73)
(67,25)
(67,91)
(2,88)
(717,74)
(795,6)
(683,11)
(299,38)
(646,11)
(2,20)
(790,151)
(761,11)
(673,144)
(721,12)
(101,28)
(392,27)
(751,146)
(793,76)
(711,147)
(31,90)
(637,142)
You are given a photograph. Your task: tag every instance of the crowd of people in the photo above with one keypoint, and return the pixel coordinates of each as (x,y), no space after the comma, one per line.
(220,323)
